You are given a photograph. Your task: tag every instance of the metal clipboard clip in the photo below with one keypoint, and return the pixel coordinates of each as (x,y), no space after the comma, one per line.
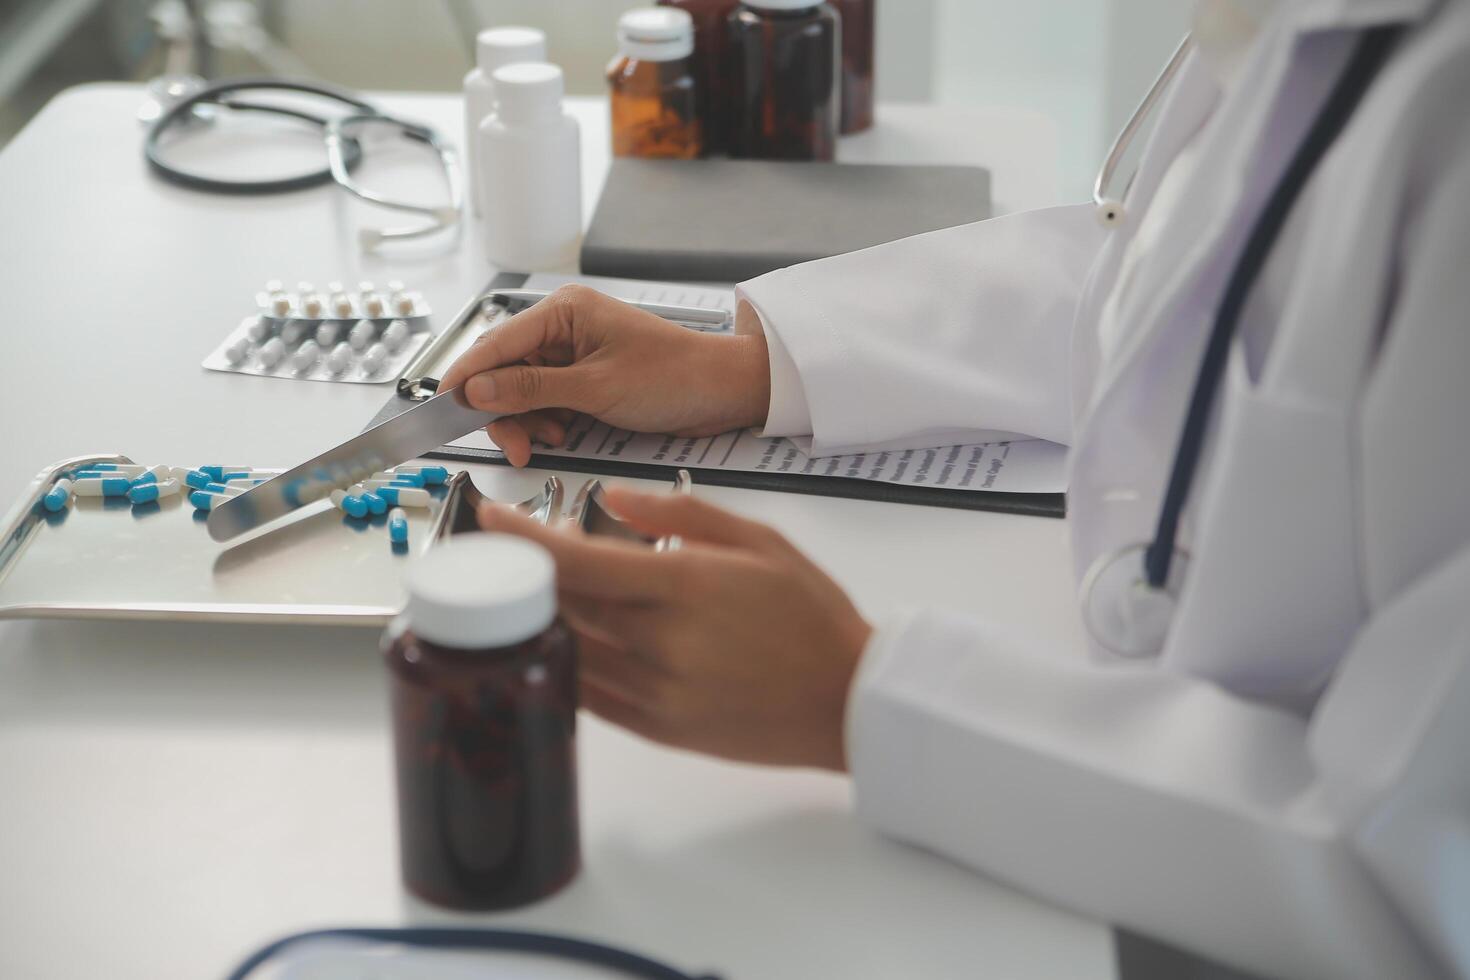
(491,308)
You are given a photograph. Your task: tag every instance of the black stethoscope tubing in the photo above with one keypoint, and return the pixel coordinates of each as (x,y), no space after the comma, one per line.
(214,95)
(497,940)
(1368,57)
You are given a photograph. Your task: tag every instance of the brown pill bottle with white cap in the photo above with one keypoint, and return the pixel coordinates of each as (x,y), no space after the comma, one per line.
(483,689)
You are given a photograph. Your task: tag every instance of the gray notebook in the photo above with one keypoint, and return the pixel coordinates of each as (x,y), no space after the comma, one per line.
(730,220)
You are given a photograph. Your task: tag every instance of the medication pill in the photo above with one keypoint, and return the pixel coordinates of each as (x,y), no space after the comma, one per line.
(361,334)
(398,526)
(58,496)
(434,476)
(203,500)
(217,471)
(238,351)
(373,358)
(405,496)
(313,306)
(281,304)
(244,482)
(403,478)
(375,503)
(114,467)
(340,357)
(102,486)
(403,304)
(396,335)
(354,505)
(197,479)
(306,355)
(292,331)
(256,329)
(272,351)
(326,334)
(342,305)
(153,474)
(143,493)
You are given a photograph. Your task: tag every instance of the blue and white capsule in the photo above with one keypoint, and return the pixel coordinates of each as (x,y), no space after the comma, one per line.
(153,474)
(217,471)
(197,479)
(350,502)
(398,526)
(405,496)
(102,486)
(376,504)
(434,476)
(147,493)
(401,478)
(58,496)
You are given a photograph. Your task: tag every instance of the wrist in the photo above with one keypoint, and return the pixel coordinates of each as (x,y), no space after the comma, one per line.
(743,368)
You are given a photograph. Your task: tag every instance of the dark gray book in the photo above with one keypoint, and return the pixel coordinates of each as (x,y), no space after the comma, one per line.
(731,220)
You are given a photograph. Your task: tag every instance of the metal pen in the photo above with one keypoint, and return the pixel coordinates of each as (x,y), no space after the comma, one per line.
(694,317)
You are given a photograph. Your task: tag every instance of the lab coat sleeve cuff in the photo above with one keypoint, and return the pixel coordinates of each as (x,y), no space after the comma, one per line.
(787,414)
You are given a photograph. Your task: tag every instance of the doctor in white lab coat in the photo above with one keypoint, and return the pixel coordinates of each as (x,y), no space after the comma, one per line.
(1285,785)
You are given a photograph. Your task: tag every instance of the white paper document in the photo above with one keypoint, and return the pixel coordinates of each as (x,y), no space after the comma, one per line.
(1023,466)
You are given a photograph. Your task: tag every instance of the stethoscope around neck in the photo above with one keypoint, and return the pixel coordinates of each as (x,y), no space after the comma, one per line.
(1129,596)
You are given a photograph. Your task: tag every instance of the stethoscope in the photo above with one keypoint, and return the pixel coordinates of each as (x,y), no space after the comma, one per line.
(344,152)
(1129,595)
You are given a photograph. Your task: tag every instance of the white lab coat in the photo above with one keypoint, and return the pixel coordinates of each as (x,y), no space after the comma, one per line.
(1285,788)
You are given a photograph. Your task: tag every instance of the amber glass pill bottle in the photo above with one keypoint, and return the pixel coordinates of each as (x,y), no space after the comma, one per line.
(857,63)
(711,67)
(483,693)
(786,89)
(652,89)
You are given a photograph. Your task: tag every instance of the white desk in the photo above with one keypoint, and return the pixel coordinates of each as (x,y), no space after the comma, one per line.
(175,795)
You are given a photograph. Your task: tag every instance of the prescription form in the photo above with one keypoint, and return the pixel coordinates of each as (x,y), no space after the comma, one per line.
(1021,466)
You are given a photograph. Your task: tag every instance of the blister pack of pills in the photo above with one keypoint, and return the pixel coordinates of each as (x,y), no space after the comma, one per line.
(362,336)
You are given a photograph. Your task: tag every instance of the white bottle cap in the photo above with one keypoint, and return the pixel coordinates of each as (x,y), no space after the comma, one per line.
(528,93)
(477,591)
(656,34)
(782,4)
(501,46)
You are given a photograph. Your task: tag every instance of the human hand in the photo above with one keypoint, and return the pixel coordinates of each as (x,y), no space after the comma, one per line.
(579,350)
(735,645)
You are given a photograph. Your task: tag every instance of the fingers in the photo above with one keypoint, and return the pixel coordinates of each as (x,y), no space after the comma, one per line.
(610,706)
(522,335)
(664,514)
(515,435)
(595,567)
(526,387)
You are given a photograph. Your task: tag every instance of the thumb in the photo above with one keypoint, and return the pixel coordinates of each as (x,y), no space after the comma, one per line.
(665,514)
(527,387)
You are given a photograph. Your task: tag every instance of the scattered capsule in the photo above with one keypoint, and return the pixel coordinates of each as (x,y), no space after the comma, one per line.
(153,474)
(405,496)
(375,503)
(398,526)
(434,476)
(238,350)
(339,358)
(256,329)
(217,471)
(306,355)
(208,499)
(326,334)
(402,478)
(361,334)
(395,335)
(373,358)
(354,505)
(58,496)
(143,493)
(244,482)
(131,469)
(102,486)
(272,351)
(197,479)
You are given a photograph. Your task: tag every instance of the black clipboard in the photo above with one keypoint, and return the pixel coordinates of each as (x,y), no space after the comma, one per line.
(1028,504)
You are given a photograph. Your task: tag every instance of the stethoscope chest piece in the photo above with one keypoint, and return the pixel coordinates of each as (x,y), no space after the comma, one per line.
(1125,615)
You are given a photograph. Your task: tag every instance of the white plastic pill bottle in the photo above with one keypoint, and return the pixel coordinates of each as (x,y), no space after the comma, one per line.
(530,173)
(494,48)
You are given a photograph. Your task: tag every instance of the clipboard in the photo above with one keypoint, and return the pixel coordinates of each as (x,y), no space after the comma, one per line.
(478,315)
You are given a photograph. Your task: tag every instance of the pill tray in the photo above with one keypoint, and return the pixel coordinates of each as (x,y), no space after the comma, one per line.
(103,558)
(390,370)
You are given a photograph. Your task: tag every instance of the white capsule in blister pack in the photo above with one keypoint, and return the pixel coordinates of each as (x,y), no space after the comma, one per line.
(272,352)
(395,335)
(306,356)
(293,330)
(373,358)
(341,305)
(339,358)
(362,333)
(257,329)
(313,306)
(327,333)
(238,351)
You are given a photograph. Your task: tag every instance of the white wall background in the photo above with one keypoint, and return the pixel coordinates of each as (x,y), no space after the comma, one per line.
(1083,63)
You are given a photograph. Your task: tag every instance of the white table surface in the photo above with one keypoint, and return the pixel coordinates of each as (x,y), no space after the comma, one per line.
(175,795)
